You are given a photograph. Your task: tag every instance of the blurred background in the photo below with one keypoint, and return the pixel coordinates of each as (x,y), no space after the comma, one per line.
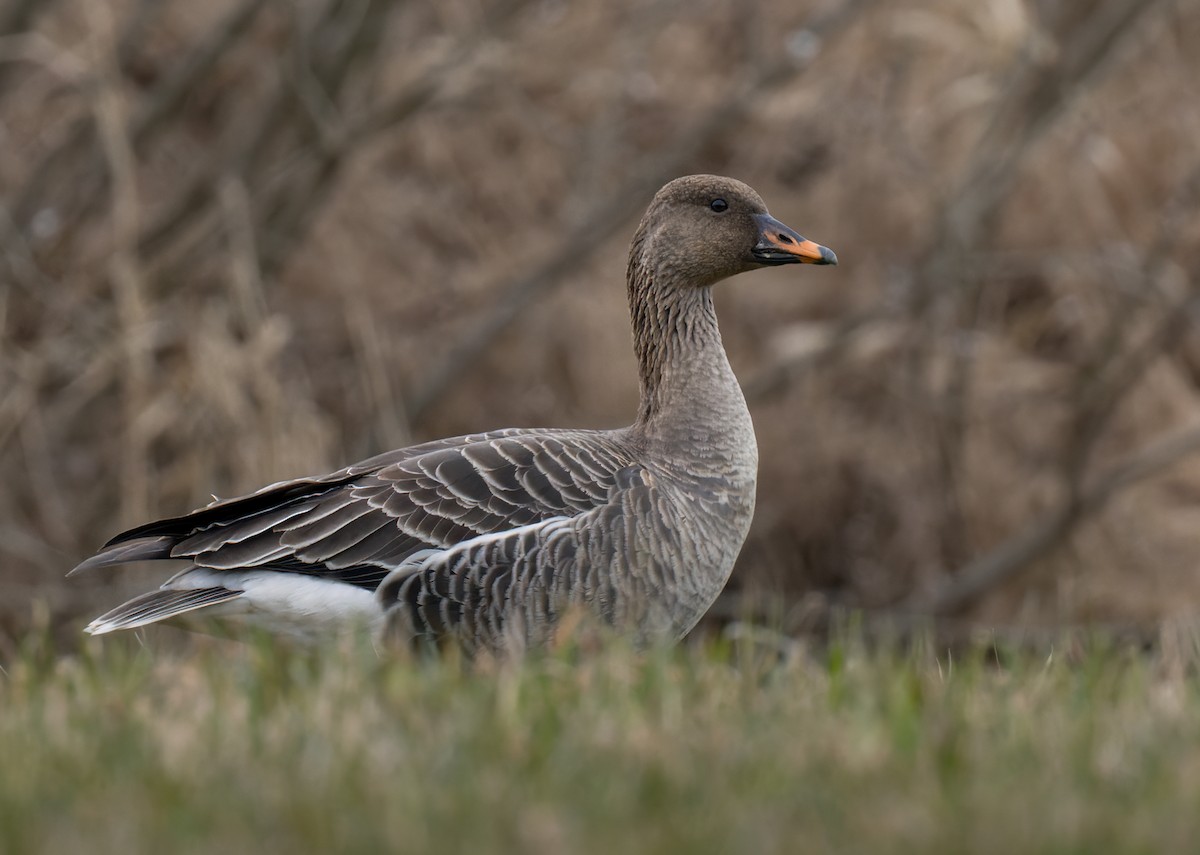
(248,240)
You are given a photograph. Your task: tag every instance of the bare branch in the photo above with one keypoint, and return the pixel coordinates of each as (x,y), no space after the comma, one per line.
(606,216)
(74,155)
(986,572)
(124,270)
(1039,94)
(308,172)
(18,19)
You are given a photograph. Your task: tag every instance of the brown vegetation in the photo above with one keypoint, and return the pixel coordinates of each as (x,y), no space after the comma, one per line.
(247,240)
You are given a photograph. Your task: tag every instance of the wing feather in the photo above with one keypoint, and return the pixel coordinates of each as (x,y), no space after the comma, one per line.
(361,522)
(159,605)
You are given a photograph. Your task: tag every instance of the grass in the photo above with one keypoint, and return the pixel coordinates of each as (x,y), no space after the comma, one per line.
(718,748)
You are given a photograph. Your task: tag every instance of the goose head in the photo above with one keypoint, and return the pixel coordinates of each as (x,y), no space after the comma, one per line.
(701,229)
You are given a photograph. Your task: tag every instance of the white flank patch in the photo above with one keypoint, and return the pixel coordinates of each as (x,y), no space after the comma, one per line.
(288,603)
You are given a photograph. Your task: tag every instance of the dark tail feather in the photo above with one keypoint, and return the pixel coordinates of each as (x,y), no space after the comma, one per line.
(231,510)
(155,540)
(144,549)
(158,605)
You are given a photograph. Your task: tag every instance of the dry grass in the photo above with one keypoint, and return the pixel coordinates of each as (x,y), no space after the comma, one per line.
(250,240)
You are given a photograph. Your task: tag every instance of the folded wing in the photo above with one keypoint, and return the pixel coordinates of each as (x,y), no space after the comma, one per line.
(358,524)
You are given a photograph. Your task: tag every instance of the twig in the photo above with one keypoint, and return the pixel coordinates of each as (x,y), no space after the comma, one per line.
(245,274)
(285,214)
(18,19)
(35,48)
(385,405)
(782,371)
(1038,95)
(1097,402)
(1119,364)
(605,217)
(181,232)
(20,14)
(986,572)
(169,96)
(123,269)
(62,162)
(73,156)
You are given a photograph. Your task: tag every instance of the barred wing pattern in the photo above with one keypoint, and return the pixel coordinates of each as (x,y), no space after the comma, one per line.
(359,524)
(497,592)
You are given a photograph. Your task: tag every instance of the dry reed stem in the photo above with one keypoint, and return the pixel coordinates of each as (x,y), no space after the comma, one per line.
(20,15)
(73,156)
(603,218)
(124,269)
(999,565)
(1038,95)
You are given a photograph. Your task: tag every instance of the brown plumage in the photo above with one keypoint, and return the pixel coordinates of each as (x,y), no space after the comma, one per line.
(487,540)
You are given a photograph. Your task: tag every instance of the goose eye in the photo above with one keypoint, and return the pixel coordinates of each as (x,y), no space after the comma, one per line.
(719,205)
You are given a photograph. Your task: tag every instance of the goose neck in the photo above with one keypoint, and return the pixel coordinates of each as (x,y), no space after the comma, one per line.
(685,378)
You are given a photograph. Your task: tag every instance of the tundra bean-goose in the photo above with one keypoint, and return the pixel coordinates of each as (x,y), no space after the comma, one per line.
(486,541)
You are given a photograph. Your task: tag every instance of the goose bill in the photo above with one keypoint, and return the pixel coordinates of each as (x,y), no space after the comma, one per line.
(779,244)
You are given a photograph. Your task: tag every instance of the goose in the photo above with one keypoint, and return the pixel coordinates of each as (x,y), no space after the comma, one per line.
(487,541)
